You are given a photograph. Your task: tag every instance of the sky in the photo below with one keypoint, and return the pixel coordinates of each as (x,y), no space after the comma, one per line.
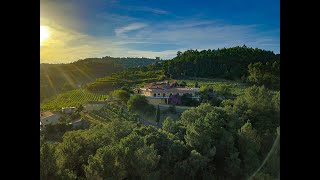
(81,29)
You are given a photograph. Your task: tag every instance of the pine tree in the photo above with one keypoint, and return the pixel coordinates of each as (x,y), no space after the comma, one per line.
(158,114)
(196,85)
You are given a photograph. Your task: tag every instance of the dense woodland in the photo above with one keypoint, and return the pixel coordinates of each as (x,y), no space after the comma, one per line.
(230,63)
(57,78)
(232,135)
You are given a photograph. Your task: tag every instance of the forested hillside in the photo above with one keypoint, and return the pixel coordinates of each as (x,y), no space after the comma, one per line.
(230,63)
(56,78)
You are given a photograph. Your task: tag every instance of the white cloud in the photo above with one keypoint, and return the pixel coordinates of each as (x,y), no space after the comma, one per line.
(195,35)
(147,9)
(188,23)
(206,34)
(134,26)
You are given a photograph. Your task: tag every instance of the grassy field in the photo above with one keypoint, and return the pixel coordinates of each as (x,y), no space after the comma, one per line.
(71,98)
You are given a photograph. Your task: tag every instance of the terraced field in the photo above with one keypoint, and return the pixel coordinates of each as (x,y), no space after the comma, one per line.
(71,98)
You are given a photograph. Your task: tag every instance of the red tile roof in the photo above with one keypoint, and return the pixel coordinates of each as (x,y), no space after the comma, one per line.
(46,114)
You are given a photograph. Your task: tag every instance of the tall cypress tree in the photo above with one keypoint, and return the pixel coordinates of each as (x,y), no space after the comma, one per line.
(196,85)
(158,114)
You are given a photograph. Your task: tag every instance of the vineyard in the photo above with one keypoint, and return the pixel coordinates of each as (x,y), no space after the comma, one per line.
(71,98)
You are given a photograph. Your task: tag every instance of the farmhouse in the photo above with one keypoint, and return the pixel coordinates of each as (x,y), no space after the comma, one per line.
(163,92)
(49,118)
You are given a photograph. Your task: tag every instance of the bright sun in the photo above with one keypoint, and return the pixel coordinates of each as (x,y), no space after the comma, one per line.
(44,33)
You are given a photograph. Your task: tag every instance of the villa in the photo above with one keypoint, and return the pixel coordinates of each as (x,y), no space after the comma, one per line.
(164,92)
(49,118)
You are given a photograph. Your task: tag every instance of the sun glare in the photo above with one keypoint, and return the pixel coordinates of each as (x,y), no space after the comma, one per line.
(44,33)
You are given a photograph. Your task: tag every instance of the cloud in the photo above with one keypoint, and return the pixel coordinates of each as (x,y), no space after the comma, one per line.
(134,26)
(192,35)
(147,9)
(206,35)
(115,18)
(188,23)
(162,39)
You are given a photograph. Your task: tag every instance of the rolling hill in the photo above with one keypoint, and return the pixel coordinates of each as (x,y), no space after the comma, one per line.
(57,78)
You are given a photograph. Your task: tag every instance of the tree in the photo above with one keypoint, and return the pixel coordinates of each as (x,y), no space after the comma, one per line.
(183,84)
(72,153)
(272,165)
(122,95)
(130,158)
(149,110)
(174,127)
(80,108)
(196,85)
(196,166)
(267,74)
(249,147)
(158,114)
(137,103)
(204,127)
(261,107)
(138,158)
(169,125)
(186,100)
(105,164)
(48,167)
(224,89)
